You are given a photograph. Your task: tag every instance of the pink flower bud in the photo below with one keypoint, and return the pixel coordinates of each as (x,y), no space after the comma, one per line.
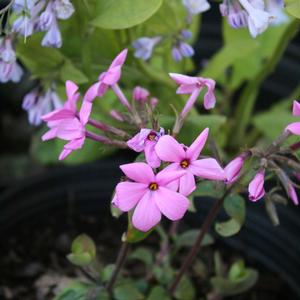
(153,102)
(292,194)
(233,169)
(256,186)
(140,94)
(116,115)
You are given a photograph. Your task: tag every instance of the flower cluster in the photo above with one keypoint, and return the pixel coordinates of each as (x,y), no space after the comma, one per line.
(35,15)
(253,14)
(9,67)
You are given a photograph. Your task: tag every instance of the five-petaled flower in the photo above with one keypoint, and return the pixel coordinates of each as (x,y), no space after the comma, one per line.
(193,86)
(149,195)
(186,159)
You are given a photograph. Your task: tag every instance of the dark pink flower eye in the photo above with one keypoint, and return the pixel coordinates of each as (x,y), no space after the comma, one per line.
(153,186)
(185,163)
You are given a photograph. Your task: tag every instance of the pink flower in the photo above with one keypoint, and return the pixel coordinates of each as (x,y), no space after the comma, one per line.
(193,86)
(140,94)
(107,79)
(149,195)
(294,128)
(256,186)
(186,159)
(66,124)
(292,194)
(233,169)
(146,141)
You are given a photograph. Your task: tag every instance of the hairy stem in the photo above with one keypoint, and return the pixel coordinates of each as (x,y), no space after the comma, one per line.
(119,264)
(197,246)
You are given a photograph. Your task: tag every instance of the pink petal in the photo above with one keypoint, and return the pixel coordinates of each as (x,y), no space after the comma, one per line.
(256,186)
(168,149)
(85,111)
(51,134)
(70,129)
(296,108)
(207,168)
(112,76)
(172,205)
(187,184)
(71,103)
(92,92)
(183,79)
(151,157)
(120,59)
(75,144)
(209,97)
(293,128)
(166,176)
(292,194)
(194,150)
(146,214)
(186,88)
(139,172)
(128,194)
(64,153)
(71,88)
(102,89)
(58,114)
(137,143)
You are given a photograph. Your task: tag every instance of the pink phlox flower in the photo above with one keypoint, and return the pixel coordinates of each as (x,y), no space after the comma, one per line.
(106,79)
(294,128)
(186,159)
(190,85)
(256,186)
(149,195)
(145,141)
(66,123)
(140,94)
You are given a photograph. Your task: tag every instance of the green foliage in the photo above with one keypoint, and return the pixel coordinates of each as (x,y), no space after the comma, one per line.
(188,238)
(209,188)
(144,255)
(83,251)
(116,14)
(293,7)
(185,289)
(126,290)
(238,280)
(235,207)
(134,235)
(158,293)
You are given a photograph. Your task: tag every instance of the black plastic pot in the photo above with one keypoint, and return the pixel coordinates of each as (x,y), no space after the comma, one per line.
(89,187)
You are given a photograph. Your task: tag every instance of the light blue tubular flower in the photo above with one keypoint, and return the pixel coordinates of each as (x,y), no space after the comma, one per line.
(63,9)
(186,34)
(10,70)
(38,104)
(237,17)
(144,47)
(195,7)
(176,54)
(276,9)
(53,36)
(186,50)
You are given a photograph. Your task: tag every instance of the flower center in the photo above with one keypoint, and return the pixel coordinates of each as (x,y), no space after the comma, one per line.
(151,136)
(185,163)
(153,186)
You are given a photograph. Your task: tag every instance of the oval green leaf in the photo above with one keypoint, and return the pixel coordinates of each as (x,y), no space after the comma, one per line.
(120,14)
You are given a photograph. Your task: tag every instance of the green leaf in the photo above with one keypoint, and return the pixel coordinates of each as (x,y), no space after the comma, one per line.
(237,270)
(76,291)
(293,7)
(158,293)
(228,228)
(227,287)
(235,207)
(209,188)
(134,235)
(106,272)
(142,254)
(116,14)
(83,251)
(127,291)
(69,72)
(188,238)
(185,290)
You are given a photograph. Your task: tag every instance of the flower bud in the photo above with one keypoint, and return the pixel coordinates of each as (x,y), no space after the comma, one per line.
(256,186)
(233,169)
(140,94)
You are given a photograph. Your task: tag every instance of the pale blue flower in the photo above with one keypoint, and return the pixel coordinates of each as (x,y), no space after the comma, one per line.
(195,7)
(144,47)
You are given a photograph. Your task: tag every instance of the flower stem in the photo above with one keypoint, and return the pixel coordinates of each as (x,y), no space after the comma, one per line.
(105,140)
(119,264)
(197,245)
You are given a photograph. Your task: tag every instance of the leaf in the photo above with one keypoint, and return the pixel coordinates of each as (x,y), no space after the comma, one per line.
(76,291)
(69,72)
(187,239)
(158,293)
(209,188)
(228,228)
(235,207)
(185,290)
(227,287)
(127,291)
(116,14)
(133,235)
(293,7)
(142,254)
(106,272)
